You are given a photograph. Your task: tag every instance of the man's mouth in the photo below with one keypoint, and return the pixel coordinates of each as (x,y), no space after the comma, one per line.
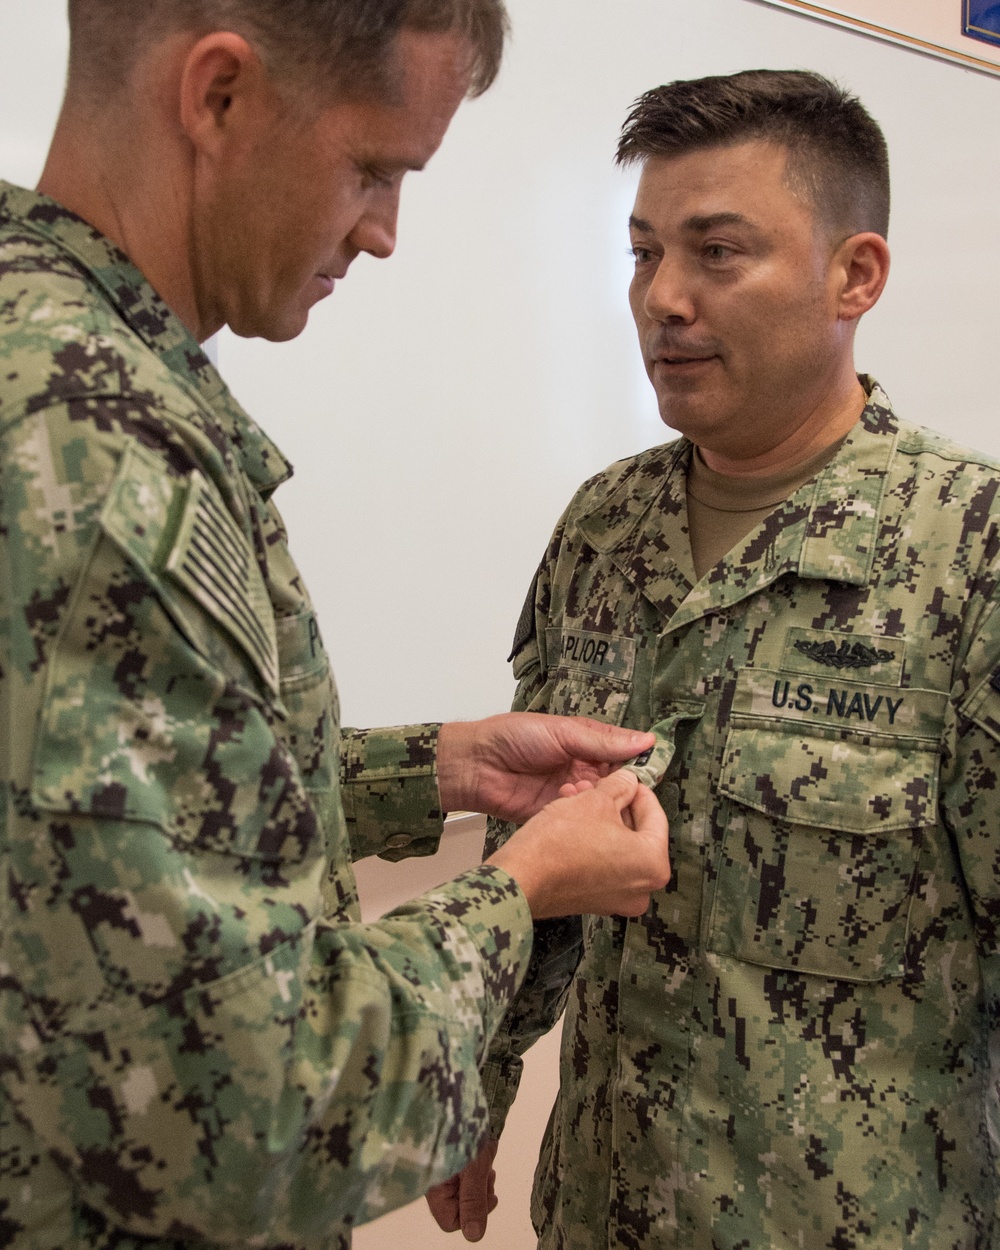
(682,360)
(676,355)
(331,277)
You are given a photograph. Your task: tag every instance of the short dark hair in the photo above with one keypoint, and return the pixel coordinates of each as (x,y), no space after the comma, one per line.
(837,152)
(341,45)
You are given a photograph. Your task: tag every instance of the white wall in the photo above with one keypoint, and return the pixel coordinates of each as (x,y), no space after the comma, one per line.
(442,407)
(33,43)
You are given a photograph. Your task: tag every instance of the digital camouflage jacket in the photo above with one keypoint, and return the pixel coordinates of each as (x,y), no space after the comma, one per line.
(200,1044)
(792,1047)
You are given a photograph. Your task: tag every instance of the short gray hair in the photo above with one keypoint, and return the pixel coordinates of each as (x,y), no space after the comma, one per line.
(344,46)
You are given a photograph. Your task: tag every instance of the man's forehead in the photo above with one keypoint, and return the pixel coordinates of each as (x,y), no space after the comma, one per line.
(721,185)
(405,128)
(380,132)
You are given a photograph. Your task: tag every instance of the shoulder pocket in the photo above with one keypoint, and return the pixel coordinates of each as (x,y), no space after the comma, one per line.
(180,532)
(150,712)
(831,787)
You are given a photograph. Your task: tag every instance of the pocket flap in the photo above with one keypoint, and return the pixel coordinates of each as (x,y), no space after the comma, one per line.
(841,756)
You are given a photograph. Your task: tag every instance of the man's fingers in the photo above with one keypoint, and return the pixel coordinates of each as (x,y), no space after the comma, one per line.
(620,787)
(572,788)
(476,1197)
(474,1210)
(598,742)
(647,814)
(466,1201)
(444,1206)
(650,820)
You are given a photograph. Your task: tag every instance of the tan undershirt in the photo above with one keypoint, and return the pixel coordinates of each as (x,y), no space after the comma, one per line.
(723,510)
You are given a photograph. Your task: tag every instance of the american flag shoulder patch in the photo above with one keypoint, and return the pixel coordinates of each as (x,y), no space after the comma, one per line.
(213,561)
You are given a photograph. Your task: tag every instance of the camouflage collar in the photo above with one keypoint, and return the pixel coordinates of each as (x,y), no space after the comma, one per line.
(842,526)
(659,489)
(148,316)
(826,529)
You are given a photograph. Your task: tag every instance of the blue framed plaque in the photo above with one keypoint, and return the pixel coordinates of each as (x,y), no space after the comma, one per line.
(966,32)
(982,20)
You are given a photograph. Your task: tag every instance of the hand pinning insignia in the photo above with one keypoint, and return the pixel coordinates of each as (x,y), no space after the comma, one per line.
(651,766)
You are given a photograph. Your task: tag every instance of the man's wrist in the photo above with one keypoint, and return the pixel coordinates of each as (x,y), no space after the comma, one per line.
(456,747)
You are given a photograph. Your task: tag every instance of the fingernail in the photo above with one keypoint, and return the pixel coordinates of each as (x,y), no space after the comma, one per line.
(474,1232)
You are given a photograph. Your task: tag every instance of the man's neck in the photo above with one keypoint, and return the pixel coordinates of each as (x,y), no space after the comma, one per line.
(828,424)
(104,188)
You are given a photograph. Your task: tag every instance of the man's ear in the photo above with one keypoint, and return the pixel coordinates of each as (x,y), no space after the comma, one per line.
(861,264)
(223,82)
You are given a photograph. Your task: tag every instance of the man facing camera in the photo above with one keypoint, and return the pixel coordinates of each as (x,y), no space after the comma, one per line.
(791,1047)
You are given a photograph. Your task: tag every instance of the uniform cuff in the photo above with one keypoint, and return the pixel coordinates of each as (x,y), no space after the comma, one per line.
(491,907)
(389,791)
(500,1084)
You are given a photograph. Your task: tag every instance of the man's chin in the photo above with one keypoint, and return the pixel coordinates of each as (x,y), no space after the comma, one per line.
(694,421)
(272,326)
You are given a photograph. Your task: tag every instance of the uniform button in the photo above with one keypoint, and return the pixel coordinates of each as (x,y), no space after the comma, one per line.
(398,841)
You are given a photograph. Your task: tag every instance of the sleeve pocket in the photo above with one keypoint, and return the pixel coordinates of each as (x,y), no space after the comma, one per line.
(151,713)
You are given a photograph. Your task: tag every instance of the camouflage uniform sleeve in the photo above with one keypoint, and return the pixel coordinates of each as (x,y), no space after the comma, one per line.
(555,954)
(194,1026)
(328,1081)
(389,790)
(970,798)
(557,944)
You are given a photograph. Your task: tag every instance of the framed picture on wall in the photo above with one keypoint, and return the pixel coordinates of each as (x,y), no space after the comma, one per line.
(964,31)
(982,20)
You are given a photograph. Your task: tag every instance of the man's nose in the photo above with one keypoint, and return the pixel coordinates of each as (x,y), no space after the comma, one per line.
(669,296)
(375,232)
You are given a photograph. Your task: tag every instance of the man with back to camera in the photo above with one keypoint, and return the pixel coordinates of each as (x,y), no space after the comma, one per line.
(791,1048)
(201,1044)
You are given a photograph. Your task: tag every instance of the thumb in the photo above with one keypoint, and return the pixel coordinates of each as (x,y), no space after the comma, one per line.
(647,814)
(473,1209)
(474,1195)
(620,787)
(599,742)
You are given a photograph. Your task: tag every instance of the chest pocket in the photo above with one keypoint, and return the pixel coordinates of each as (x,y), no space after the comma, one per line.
(590,674)
(830,791)
(309,697)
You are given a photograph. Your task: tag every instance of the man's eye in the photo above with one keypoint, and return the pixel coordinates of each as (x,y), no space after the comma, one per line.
(641,255)
(717,251)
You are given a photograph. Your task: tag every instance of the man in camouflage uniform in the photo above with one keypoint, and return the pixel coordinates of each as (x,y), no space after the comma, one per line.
(199,1042)
(792,1047)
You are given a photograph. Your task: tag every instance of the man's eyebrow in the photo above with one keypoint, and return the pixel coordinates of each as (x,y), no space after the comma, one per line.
(701,225)
(697,225)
